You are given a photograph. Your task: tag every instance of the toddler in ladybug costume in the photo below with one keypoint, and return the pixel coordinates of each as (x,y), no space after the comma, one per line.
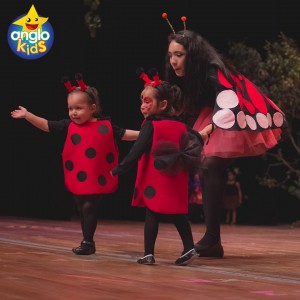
(90,152)
(166,151)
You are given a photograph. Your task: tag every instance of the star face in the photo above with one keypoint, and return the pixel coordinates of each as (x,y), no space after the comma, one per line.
(31,21)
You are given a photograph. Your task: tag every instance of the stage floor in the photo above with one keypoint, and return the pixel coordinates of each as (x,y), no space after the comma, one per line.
(260,262)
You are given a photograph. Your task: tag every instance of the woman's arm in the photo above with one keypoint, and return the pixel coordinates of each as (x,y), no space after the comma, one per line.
(206,131)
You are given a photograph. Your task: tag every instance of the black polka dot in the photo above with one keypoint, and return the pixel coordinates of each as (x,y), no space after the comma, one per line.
(135,193)
(90,152)
(103,129)
(69,165)
(76,139)
(81,176)
(110,157)
(102,180)
(149,192)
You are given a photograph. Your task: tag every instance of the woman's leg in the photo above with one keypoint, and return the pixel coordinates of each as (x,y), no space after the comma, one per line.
(213,183)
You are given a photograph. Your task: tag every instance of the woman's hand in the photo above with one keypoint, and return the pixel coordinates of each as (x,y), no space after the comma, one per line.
(206,132)
(204,135)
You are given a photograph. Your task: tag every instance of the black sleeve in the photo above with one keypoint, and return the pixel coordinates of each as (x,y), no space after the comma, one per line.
(60,126)
(118,132)
(142,144)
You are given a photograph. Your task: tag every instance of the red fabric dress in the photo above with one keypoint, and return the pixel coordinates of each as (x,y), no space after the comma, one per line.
(88,156)
(162,193)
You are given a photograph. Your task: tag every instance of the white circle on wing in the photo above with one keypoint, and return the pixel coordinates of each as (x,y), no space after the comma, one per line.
(241,119)
(278,119)
(227,99)
(262,120)
(224,118)
(251,122)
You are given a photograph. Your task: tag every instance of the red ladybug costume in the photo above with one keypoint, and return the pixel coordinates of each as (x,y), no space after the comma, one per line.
(165,151)
(154,189)
(89,154)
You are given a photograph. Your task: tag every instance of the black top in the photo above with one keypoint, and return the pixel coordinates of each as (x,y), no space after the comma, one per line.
(143,143)
(61,126)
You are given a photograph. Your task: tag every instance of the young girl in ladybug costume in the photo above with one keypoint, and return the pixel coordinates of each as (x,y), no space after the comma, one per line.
(166,151)
(90,152)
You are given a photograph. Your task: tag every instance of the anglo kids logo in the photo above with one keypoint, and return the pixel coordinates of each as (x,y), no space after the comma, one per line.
(30,36)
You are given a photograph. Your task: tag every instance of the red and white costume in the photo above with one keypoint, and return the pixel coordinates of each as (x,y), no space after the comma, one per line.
(246,122)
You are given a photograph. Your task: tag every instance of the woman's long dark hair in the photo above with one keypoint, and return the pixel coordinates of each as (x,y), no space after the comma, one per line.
(200,57)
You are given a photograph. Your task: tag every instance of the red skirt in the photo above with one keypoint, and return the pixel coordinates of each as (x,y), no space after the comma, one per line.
(227,143)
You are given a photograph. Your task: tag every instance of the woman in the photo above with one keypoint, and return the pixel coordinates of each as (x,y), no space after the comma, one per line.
(230,113)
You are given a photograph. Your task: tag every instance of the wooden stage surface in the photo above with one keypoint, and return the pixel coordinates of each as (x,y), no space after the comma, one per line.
(260,262)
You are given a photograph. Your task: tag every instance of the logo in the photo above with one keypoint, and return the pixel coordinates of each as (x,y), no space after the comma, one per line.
(30,36)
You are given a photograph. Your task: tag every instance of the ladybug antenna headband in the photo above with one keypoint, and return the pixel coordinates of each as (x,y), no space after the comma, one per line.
(183,19)
(153,73)
(78,76)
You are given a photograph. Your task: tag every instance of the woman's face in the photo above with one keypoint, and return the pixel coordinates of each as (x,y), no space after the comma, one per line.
(177,55)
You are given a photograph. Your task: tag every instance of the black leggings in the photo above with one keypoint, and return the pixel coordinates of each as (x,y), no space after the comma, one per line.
(88,212)
(212,177)
(151,230)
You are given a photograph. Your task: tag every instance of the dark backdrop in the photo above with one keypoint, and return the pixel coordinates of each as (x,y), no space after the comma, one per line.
(133,34)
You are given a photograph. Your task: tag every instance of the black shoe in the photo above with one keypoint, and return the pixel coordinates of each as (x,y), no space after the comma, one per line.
(147,260)
(85,248)
(215,250)
(186,258)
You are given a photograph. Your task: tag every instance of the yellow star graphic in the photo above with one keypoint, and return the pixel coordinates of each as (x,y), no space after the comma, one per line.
(32,21)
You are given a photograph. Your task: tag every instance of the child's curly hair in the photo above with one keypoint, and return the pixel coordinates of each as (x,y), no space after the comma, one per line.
(169,92)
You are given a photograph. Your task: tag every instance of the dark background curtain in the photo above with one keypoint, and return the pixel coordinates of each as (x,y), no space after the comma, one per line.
(133,34)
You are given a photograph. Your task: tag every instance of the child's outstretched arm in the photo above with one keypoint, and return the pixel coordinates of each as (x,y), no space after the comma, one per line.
(23,113)
(130,135)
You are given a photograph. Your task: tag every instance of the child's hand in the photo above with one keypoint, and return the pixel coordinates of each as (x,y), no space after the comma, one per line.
(19,113)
